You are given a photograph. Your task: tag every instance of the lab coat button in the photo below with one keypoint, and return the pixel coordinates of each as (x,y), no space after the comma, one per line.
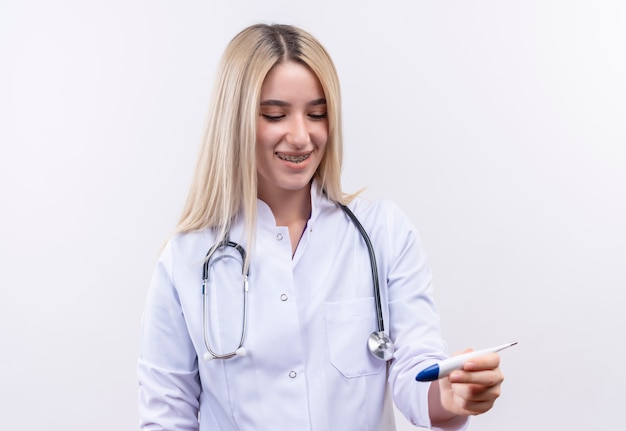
(283,297)
(292,374)
(279,237)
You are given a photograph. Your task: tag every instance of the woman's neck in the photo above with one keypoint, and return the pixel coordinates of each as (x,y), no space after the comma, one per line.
(291,209)
(288,206)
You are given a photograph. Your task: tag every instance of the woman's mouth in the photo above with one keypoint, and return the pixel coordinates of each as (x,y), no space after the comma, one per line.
(293,159)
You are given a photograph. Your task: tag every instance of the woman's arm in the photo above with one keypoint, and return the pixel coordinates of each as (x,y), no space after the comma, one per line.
(169,385)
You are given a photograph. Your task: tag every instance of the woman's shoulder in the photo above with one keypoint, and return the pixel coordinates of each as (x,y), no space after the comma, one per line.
(382,215)
(379,208)
(186,245)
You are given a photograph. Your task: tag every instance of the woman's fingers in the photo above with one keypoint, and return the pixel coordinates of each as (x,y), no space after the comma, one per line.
(477,385)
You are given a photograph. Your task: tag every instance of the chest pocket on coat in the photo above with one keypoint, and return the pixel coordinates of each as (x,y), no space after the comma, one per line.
(348,325)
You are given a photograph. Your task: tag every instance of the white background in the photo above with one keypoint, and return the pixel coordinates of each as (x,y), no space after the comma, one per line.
(498,126)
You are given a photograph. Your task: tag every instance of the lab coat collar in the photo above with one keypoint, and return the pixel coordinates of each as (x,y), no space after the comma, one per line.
(319,202)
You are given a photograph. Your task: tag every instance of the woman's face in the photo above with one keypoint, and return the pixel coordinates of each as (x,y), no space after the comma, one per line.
(292,129)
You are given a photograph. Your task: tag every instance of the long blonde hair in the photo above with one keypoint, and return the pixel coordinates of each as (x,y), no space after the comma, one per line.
(225,178)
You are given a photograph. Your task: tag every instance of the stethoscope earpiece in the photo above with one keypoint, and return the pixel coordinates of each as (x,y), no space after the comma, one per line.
(209,355)
(239,352)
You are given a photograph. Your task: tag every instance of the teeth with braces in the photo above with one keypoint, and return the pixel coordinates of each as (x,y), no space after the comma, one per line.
(293,159)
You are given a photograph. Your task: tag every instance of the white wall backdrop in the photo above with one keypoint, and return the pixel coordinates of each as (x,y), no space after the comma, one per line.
(498,126)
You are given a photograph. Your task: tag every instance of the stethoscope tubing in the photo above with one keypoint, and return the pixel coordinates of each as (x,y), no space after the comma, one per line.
(379,343)
(374,267)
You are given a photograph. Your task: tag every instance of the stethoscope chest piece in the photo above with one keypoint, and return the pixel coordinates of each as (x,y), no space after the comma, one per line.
(380,345)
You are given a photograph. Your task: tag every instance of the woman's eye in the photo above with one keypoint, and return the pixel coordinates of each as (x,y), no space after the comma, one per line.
(318,115)
(273,117)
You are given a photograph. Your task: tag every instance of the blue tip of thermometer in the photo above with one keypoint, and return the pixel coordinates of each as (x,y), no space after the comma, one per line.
(445,367)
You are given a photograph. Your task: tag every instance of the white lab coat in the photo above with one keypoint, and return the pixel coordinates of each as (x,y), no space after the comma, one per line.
(308,366)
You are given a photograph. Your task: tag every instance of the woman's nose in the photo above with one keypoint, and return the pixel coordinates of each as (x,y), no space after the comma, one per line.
(298,134)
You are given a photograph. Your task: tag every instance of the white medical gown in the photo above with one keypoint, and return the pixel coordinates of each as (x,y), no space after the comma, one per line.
(308,366)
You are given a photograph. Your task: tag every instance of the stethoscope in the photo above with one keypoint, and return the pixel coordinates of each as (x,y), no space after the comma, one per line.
(378,342)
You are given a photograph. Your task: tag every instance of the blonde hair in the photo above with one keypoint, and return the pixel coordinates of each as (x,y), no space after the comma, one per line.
(225,178)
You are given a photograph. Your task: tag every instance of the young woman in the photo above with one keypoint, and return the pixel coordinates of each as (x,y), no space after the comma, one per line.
(264,306)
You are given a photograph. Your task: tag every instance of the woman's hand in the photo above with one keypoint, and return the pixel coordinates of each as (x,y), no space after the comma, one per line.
(471,390)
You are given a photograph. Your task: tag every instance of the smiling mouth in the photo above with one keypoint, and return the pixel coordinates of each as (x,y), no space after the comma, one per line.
(293,159)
